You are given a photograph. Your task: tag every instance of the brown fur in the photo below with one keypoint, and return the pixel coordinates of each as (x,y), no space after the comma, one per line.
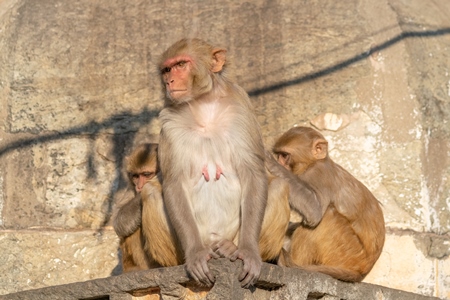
(127,220)
(276,219)
(134,257)
(160,240)
(350,237)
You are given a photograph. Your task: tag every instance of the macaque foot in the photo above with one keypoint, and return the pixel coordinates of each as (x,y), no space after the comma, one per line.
(224,248)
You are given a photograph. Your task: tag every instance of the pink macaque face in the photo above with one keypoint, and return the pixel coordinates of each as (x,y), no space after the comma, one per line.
(177,77)
(140,179)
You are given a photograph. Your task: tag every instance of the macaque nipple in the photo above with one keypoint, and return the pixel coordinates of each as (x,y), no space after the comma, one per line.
(205,173)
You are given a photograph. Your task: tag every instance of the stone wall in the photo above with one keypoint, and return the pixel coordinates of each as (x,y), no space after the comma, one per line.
(79,86)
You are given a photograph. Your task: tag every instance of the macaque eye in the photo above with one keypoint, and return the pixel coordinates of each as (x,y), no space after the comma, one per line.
(284,155)
(181,64)
(148,175)
(165,70)
(135,176)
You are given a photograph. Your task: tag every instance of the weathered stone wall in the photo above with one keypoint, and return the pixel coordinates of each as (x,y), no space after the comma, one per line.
(78,85)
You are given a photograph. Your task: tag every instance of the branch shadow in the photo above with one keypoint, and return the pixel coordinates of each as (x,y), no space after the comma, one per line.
(346,63)
(121,136)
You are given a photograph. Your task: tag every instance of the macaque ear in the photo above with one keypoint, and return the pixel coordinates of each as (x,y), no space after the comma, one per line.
(219,59)
(319,149)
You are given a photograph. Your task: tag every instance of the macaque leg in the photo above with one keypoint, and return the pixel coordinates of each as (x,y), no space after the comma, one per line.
(160,238)
(332,248)
(133,255)
(276,220)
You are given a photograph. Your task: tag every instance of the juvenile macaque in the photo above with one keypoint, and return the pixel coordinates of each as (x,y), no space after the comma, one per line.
(147,240)
(211,159)
(349,239)
(141,167)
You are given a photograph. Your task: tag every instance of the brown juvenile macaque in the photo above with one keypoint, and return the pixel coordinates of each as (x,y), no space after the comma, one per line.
(211,159)
(141,167)
(349,239)
(141,223)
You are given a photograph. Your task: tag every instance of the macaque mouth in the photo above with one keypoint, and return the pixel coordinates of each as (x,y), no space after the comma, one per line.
(174,92)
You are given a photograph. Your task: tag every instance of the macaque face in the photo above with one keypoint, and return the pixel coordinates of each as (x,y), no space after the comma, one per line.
(142,165)
(140,179)
(177,77)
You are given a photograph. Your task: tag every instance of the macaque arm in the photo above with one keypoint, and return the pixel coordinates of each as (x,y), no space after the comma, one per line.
(254,185)
(302,197)
(129,217)
(182,219)
(197,255)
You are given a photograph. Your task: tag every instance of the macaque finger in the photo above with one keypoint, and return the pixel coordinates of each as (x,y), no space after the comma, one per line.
(248,276)
(251,268)
(198,266)
(224,248)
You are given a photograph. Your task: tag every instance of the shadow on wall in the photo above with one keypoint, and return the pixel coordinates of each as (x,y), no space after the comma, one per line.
(350,61)
(92,130)
(144,118)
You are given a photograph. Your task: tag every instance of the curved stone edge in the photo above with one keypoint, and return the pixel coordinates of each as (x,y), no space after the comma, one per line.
(275,283)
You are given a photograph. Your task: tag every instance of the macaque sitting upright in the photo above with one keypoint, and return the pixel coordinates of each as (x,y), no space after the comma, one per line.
(141,166)
(141,223)
(211,159)
(349,238)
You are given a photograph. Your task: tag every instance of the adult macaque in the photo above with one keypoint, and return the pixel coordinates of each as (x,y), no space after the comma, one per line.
(211,159)
(349,239)
(141,223)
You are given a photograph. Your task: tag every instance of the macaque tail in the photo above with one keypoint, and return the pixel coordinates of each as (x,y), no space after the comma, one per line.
(335,272)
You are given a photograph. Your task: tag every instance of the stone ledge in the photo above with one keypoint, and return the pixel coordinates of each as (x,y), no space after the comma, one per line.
(275,283)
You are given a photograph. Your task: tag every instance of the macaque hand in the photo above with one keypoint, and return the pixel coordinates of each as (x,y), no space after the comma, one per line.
(275,168)
(252,266)
(197,265)
(301,196)
(224,248)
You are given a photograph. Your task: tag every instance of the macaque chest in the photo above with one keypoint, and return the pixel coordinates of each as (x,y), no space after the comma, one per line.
(215,193)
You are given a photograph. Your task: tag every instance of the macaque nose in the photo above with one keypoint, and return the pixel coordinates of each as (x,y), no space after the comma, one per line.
(168,79)
(141,183)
